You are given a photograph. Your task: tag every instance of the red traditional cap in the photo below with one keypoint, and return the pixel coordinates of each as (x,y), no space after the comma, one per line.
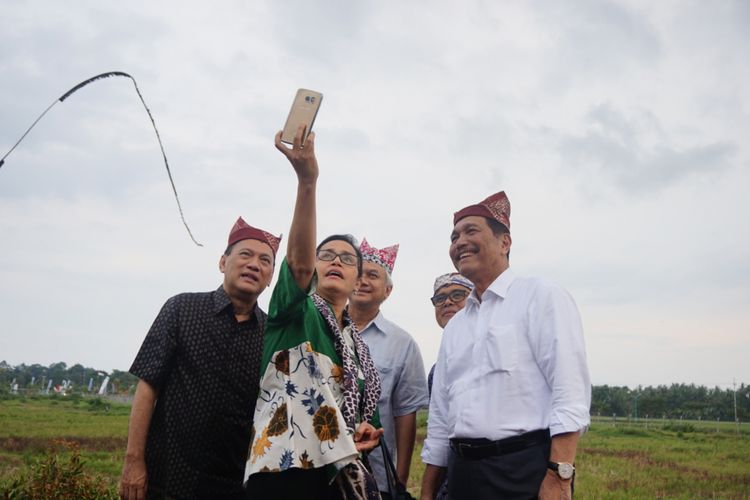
(496,206)
(244,231)
(385,257)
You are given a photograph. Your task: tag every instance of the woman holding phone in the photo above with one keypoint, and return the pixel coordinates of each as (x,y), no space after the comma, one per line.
(319,388)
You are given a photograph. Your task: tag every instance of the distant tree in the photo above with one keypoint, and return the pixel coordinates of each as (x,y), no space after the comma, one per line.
(58,372)
(123,380)
(79,375)
(677,400)
(606,400)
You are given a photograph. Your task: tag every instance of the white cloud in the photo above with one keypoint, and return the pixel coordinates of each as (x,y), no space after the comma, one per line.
(617,128)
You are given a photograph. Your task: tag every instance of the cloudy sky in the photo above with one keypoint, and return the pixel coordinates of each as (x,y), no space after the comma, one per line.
(618,129)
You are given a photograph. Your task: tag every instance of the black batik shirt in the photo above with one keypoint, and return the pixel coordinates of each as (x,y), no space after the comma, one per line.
(206,367)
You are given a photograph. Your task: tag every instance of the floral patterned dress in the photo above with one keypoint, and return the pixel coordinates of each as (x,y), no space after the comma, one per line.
(317,383)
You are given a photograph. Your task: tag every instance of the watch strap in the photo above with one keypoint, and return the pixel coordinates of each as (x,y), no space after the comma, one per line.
(555,466)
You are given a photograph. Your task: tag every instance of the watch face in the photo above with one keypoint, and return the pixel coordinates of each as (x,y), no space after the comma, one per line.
(565,470)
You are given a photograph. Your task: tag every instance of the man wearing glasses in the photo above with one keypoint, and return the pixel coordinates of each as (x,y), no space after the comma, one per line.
(397,357)
(449,296)
(511,392)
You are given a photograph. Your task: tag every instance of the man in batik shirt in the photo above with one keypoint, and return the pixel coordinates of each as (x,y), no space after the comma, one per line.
(198,367)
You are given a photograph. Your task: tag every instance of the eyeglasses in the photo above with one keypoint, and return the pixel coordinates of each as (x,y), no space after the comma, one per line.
(346,258)
(456,297)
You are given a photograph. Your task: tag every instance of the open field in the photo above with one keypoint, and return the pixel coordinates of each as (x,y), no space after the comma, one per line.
(617,459)
(29,427)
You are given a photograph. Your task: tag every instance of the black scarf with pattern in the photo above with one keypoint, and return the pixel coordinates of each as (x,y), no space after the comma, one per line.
(352,400)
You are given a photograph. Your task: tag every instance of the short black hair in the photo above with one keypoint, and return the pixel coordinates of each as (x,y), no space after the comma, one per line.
(348,238)
(498,229)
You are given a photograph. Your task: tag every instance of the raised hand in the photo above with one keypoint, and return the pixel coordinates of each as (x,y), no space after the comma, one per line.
(301,155)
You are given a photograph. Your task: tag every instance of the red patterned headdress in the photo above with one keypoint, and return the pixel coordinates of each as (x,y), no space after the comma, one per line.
(385,257)
(496,206)
(244,231)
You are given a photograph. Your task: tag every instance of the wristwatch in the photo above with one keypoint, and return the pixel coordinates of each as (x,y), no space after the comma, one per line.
(564,469)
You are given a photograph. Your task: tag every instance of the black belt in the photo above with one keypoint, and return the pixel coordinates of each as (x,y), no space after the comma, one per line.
(483,448)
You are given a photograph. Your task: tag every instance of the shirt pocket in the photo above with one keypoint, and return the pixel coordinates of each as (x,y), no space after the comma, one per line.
(386,382)
(502,348)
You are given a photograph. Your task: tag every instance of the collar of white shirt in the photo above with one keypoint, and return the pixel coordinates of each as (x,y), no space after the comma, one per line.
(499,288)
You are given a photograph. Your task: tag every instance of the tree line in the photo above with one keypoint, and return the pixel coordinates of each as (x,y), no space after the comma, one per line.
(36,378)
(687,401)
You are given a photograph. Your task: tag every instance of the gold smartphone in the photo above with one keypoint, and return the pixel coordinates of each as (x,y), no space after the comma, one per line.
(304,110)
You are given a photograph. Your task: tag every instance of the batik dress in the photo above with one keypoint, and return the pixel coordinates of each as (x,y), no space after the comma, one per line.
(310,398)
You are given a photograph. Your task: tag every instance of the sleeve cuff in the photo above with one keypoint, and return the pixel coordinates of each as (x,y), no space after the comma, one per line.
(564,421)
(406,410)
(435,453)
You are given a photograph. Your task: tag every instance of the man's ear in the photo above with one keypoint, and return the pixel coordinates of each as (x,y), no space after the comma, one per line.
(388,291)
(507,241)
(222,263)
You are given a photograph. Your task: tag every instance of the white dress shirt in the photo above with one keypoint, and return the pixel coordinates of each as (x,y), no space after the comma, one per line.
(513,363)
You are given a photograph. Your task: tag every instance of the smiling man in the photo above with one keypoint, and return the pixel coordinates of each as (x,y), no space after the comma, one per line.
(511,392)
(199,368)
(448,297)
(397,358)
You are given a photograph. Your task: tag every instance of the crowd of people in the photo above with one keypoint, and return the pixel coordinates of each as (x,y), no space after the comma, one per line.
(317,399)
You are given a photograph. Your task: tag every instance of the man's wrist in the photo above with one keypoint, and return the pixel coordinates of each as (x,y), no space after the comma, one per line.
(557,476)
(564,470)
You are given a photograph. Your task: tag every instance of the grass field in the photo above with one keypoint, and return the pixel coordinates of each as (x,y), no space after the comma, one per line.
(647,459)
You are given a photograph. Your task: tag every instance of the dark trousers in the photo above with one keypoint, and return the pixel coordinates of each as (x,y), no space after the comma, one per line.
(307,484)
(517,474)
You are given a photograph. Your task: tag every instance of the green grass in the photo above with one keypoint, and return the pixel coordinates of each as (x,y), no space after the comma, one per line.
(30,427)
(650,459)
(635,461)
(644,459)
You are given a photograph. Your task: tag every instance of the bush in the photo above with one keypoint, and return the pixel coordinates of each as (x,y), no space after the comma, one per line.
(629,431)
(54,477)
(679,428)
(99,404)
